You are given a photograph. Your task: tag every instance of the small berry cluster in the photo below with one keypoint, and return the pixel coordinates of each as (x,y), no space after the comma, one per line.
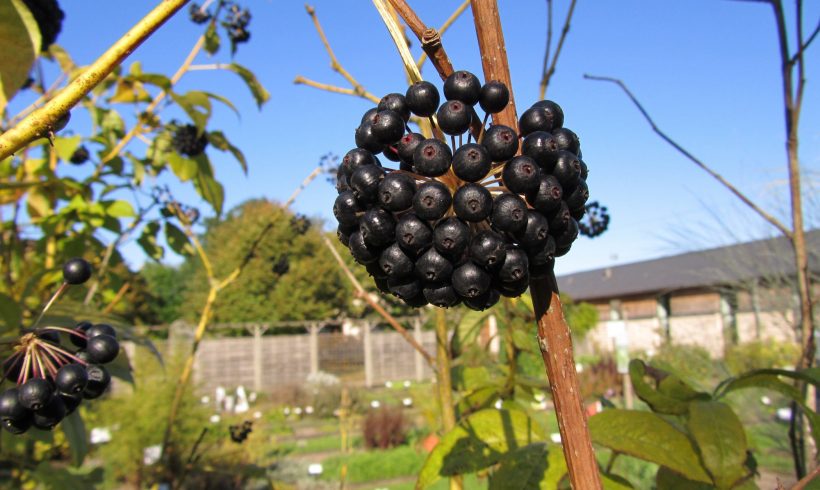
(237,25)
(198,14)
(189,141)
(80,155)
(50,380)
(596,220)
(240,432)
(463,223)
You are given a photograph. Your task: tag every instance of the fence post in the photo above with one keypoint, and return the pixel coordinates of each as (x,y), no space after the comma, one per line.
(419,361)
(257,358)
(313,328)
(368,356)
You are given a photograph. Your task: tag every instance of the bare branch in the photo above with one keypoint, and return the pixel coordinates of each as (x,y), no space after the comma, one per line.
(564,31)
(806,44)
(734,190)
(335,89)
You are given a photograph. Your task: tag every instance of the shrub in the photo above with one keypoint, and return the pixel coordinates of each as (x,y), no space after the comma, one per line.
(760,355)
(691,363)
(384,428)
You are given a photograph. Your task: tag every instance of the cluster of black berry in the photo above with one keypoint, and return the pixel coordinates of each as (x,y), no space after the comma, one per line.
(198,14)
(281,265)
(49,20)
(240,432)
(300,224)
(596,220)
(463,223)
(50,380)
(189,141)
(237,25)
(80,155)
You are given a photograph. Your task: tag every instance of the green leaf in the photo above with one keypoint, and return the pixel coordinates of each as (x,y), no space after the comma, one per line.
(120,367)
(61,56)
(647,436)
(65,146)
(534,466)
(470,377)
(177,239)
(476,400)
(615,482)
(468,328)
(719,436)
(52,477)
(667,479)
(207,186)
(660,402)
(112,122)
(183,167)
(119,209)
(212,39)
(20,38)
(148,241)
(220,142)
(768,379)
(224,100)
(197,105)
(157,79)
(477,442)
(10,312)
(74,430)
(259,93)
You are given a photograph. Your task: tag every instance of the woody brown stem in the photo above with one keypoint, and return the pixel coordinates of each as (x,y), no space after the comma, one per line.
(553,332)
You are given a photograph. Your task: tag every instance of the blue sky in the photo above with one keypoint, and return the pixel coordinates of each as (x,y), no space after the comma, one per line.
(707,70)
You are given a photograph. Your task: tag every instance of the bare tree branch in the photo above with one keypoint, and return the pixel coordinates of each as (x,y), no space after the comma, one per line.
(548,72)
(734,190)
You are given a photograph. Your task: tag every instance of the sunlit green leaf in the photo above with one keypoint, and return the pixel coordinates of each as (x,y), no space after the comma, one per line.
(148,241)
(660,402)
(212,39)
(719,435)
(20,41)
(220,142)
(478,442)
(197,105)
(183,167)
(120,209)
(536,466)
(177,239)
(74,430)
(66,145)
(259,93)
(647,436)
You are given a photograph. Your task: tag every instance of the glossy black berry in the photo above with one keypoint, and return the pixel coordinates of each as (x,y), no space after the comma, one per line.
(365,182)
(101,329)
(10,406)
(488,250)
(542,148)
(51,414)
(543,116)
(567,140)
(365,138)
(35,393)
(547,196)
(361,251)
(189,141)
(198,15)
(536,231)
(416,301)
(515,266)
(553,110)
(542,257)
(413,234)
(76,271)
(471,162)
(472,202)
(451,237)
(484,301)
(388,127)
(501,142)
(396,103)
(454,117)
(407,148)
(396,191)
(521,174)
(346,209)
(102,348)
(441,295)
(394,262)
(464,86)
(494,97)
(567,169)
(378,227)
(432,200)
(422,98)
(80,156)
(71,401)
(470,280)
(71,379)
(369,114)
(560,218)
(355,158)
(98,381)
(432,267)
(432,158)
(509,213)
(564,239)
(579,195)
(405,288)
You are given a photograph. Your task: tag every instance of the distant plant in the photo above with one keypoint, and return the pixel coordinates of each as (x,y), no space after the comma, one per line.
(384,427)
(759,355)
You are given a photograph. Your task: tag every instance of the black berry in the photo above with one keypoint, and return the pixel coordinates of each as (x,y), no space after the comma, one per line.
(396,103)
(521,174)
(102,348)
(472,202)
(71,378)
(432,158)
(454,117)
(76,271)
(432,200)
(501,142)
(471,162)
(422,98)
(189,141)
(494,97)
(464,86)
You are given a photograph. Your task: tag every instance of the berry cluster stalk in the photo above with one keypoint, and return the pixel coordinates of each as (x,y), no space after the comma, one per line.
(36,124)
(553,332)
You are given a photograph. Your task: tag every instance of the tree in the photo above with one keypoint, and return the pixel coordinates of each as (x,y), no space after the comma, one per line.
(289,277)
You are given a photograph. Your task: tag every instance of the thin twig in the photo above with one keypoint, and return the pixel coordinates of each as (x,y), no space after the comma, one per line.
(734,190)
(334,88)
(807,479)
(548,72)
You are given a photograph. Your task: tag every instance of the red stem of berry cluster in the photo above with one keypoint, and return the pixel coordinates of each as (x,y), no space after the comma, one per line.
(553,332)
